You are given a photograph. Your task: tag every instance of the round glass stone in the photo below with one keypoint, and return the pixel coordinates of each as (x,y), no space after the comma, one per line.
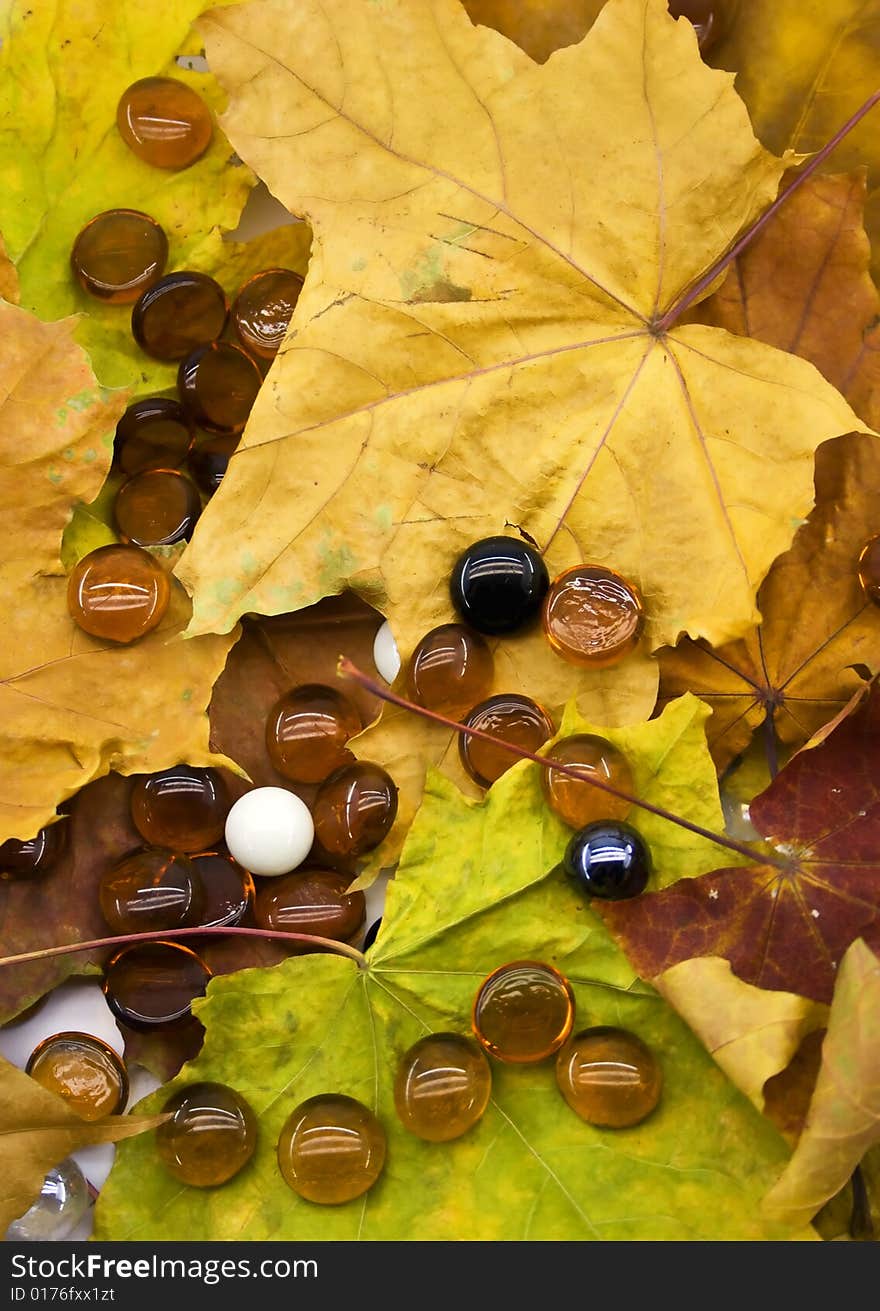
(84,1071)
(869,569)
(608,860)
(179,313)
(592,616)
(523,1012)
(311,901)
(331,1149)
(151,890)
(164,122)
(442,1087)
(703,14)
(307,731)
(262,309)
(62,1203)
(498,584)
(27,858)
(575,800)
(182,807)
(118,255)
(609,1077)
(354,809)
(450,670)
(210,460)
(515,719)
(228,890)
(212,1134)
(218,384)
(157,508)
(152,434)
(152,983)
(118,593)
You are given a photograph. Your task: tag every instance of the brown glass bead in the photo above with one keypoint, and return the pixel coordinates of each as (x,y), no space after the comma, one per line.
(450,670)
(82,1070)
(152,434)
(164,122)
(118,255)
(262,309)
(609,1077)
(151,890)
(218,384)
(704,16)
(592,616)
(354,808)
(210,460)
(331,1149)
(515,719)
(179,313)
(212,1134)
(523,1012)
(228,889)
(28,858)
(157,508)
(576,801)
(306,732)
(311,901)
(869,569)
(442,1087)
(154,983)
(118,593)
(182,807)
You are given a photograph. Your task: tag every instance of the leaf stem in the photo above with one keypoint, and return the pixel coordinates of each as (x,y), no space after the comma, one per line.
(684,302)
(770,750)
(351,670)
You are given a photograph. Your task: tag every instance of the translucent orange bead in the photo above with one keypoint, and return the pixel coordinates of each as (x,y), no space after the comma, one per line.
(306,732)
(576,801)
(218,384)
(442,1087)
(354,808)
(262,309)
(118,593)
(179,313)
(311,901)
(592,616)
(450,670)
(228,889)
(869,570)
(183,807)
(515,719)
(157,508)
(523,1012)
(152,983)
(331,1149)
(211,1136)
(609,1077)
(210,460)
(164,122)
(155,433)
(151,890)
(32,857)
(118,255)
(84,1071)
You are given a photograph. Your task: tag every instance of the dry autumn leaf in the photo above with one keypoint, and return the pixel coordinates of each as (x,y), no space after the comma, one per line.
(537,26)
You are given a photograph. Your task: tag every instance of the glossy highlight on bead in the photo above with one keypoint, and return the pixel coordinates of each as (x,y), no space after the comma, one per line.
(513,718)
(150,983)
(577,801)
(209,461)
(331,1149)
(164,122)
(211,1136)
(118,255)
(157,508)
(179,313)
(182,807)
(704,17)
(523,1012)
(118,593)
(85,1072)
(307,730)
(314,901)
(609,1077)
(609,860)
(593,616)
(869,569)
(442,1087)
(450,670)
(218,384)
(354,809)
(228,890)
(28,858)
(155,433)
(262,309)
(498,584)
(151,890)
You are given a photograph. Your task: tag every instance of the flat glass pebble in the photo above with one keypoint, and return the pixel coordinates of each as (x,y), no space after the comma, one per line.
(218,384)
(515,719)
(118,593)
(704,16)
(62,1202)
(84,1071)
(182,807)
(609,1077)
(609,860)
(331,1149)
(155,433)
(209,461)
(869,569)
(152,983)
(157,508)
(592,616)
(386,656)
(576,801)
(442,1087)
(498,584)
(211,1136)
(450,670)
(228,890)
(306,732)
(523,1012)
(30,858)
(269,831)
(311,901)
(261,311)
(118,255)
(179,313)
(354,809)
(164,122)
(151,890)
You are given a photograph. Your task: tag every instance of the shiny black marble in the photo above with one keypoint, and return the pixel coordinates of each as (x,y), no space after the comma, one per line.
(498,584)
(609,860)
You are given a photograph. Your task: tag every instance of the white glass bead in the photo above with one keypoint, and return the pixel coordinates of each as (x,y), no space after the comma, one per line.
(269,831)
(62,1203)
(386,656)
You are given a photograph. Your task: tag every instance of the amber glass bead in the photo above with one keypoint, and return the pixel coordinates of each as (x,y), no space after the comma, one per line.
(118,593)
(515,719)
(331,1149)
(575,800)
(82,1070)
(154,983)
(311,901)
(157,508)
(609,1077)
(450,670)
(29,858)
(306,732)
(704,16)
(211,1135)
(262,309)
(227,889)
(442,1087)
(152,434)
(119,255)
(592,616)
(218,384)
(179,313)
(151,890)
(164,122)
(354,808)
(869,569)
(210,460)
(523,1012)
(181,807)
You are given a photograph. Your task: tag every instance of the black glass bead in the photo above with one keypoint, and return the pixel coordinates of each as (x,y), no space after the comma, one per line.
(498,584)
(608,859)
(370,935)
